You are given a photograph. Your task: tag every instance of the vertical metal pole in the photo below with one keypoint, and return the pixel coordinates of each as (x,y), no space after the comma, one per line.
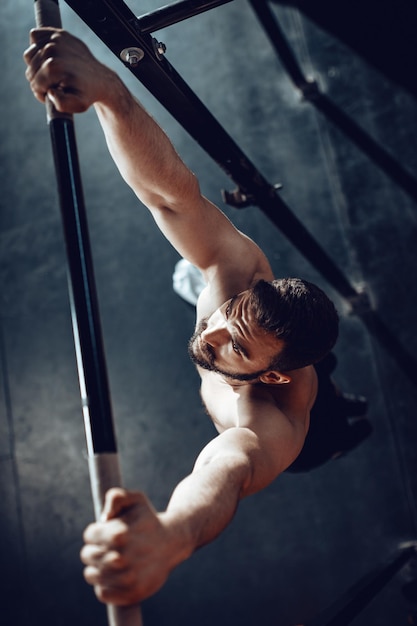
(92,372)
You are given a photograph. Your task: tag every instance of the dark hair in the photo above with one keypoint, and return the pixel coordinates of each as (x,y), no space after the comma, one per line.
(301,315)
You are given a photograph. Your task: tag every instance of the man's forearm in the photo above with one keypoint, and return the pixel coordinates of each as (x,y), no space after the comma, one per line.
(204,503)
(142,152)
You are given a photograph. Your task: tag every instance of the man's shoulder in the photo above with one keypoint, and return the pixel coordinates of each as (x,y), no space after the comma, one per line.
(225,280)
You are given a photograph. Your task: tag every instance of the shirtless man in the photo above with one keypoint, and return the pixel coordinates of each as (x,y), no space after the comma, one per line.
(254,346)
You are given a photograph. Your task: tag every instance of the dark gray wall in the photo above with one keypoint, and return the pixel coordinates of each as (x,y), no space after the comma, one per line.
(293,548)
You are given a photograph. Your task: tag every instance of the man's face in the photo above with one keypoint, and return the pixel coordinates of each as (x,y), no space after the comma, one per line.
(231,343)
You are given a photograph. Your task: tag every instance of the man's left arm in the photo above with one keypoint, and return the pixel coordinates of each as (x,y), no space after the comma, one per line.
(130,554)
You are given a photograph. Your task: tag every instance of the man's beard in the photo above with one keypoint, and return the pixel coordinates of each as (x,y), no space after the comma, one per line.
(202,354)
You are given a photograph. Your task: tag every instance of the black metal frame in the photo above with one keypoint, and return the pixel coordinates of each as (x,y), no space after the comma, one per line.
(311,92)
(355,599)
(121,31)
(174,13)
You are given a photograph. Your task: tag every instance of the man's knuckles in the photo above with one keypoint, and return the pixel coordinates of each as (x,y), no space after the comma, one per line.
(113,586)
(115,562)
(112,534)
(119,534)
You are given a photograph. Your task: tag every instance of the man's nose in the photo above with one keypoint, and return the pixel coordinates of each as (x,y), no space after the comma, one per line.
(216,335)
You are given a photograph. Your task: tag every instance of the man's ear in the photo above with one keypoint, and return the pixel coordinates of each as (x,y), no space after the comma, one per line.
(274,378)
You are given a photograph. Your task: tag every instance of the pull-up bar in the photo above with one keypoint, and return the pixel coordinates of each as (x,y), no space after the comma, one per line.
(116,25)
(92,372)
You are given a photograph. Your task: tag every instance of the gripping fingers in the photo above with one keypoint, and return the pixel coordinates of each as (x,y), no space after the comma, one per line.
(108,573)
(50,60)
(33,56)
(111,584)
(99,557)
(105,587)
(30,52)
(40,71)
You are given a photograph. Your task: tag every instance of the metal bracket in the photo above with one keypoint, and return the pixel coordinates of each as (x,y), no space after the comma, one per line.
(310,90)
(360,303)
(159,47)
(239,199)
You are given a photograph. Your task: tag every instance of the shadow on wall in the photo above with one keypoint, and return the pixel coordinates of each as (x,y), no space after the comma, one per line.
(380,31)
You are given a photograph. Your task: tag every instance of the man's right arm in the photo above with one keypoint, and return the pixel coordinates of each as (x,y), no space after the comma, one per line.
(62,67)
(130,553)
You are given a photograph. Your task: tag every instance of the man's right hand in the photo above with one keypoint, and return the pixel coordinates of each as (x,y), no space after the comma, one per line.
(130,552)
(61,67)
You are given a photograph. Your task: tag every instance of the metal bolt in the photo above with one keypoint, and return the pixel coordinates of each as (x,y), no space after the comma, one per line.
(159,47)
(133,56)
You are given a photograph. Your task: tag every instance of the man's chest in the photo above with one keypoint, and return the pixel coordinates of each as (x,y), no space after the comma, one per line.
(243,405)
